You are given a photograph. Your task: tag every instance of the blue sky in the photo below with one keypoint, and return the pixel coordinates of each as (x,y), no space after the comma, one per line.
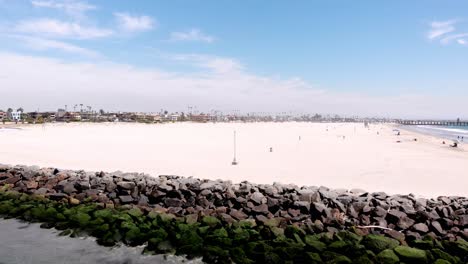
(396,59)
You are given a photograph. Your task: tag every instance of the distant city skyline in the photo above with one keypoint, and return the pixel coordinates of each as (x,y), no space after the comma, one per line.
(397,59)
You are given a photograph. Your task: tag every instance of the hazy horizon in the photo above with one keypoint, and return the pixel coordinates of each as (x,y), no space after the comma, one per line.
(395,60)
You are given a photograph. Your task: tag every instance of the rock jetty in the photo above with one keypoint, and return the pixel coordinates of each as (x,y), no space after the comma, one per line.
(241,223)
(403,217)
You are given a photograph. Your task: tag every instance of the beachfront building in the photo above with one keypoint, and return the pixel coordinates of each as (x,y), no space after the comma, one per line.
(3,116)
(154,118)
(203,118)
(175,117)
(16,116)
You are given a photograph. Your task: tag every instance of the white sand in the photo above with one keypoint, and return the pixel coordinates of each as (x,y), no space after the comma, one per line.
(362,160)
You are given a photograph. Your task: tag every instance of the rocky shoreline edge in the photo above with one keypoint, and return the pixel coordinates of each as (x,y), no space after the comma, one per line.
(242,223)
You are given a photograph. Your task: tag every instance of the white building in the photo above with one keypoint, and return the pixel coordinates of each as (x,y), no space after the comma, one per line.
(16,115)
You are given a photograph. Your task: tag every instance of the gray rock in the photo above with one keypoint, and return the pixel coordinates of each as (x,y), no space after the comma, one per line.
(421,228)
(238,215)
(227,218)
(69,188)
(463,221)
(271,202)
(393,216)
(57,196)
(125,199)
(258,198)
(437,228)
(126,185)
(405,222)
(307,195)
(205,192)
(173,202)
(263,209)
(303,206)
(143,201)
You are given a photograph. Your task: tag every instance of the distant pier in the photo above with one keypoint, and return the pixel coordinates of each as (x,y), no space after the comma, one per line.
(432,123)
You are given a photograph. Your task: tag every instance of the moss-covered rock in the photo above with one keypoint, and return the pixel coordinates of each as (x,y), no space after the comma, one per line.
(211,221)
(439,254)
(378,243)
(387,256)
(349,236)
(313,258)
(457,248)
(313,243)
(442,261)
(411,255)
(422,244)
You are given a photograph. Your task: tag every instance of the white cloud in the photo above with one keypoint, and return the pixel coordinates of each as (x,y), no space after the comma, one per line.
(47,44)
(46,27)
(455,37)
(214,63)
(71,7)
(440,28)
(444,31)
(132,23)
(192,35)
(52,83)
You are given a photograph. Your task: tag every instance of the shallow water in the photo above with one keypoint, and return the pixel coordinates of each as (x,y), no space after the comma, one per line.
(27,243)
(447,132)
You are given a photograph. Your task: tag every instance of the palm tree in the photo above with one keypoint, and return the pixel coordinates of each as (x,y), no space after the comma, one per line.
(81,107)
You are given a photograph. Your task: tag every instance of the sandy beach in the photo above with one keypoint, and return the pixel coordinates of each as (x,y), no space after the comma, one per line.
(333,155)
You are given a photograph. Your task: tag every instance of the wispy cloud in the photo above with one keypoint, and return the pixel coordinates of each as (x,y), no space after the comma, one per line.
(193,34)
(47,27)
(41,44)
(131,23)
(440,28)
(71,7)
(456,37)
(216,64)
(444,32)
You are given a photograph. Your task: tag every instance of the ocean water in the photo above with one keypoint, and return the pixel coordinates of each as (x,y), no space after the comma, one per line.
(459,133)
(23,243)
